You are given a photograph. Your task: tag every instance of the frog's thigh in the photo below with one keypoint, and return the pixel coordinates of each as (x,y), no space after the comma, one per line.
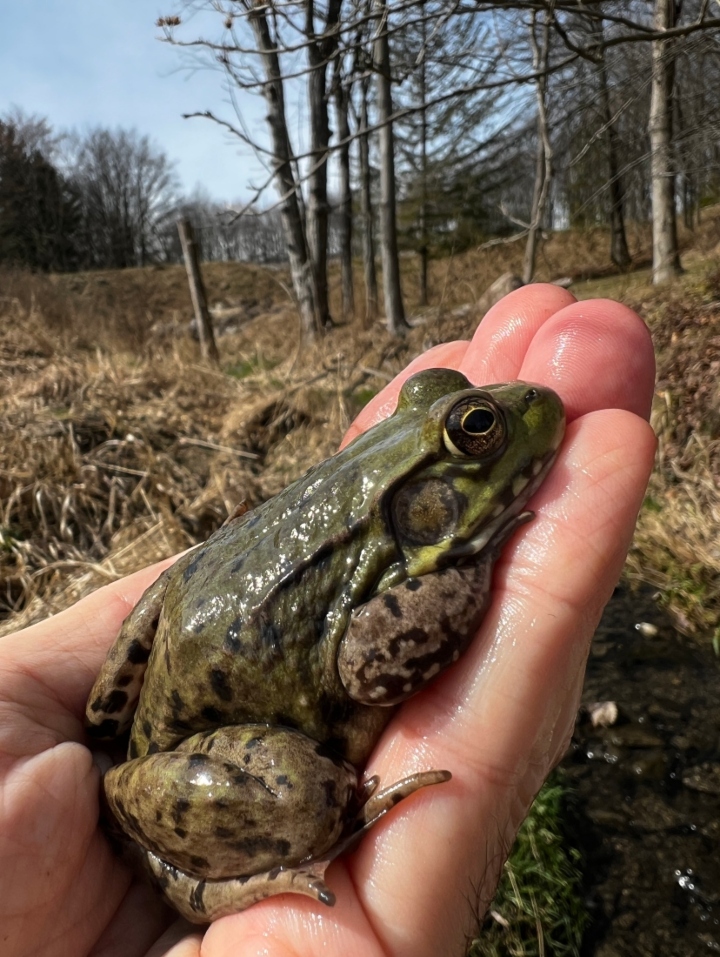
(406,635)
(200,900)
(233,802)
(112,701)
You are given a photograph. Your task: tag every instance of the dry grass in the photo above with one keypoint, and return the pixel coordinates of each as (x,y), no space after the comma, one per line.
(677,547)
(117,452)
(119,446)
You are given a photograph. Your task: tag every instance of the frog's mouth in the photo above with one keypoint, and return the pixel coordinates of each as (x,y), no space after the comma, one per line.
(491,538)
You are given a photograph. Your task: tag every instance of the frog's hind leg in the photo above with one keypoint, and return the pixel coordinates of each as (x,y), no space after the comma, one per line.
(201,901)
(115,694)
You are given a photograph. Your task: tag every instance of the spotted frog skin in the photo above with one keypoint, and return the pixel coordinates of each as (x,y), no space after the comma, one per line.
(257,673)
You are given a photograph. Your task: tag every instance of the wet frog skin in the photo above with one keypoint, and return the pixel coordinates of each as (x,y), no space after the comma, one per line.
(257,673)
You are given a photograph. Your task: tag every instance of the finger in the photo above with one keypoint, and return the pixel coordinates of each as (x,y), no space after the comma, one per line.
(177,941)
(58,883)
(502,339)
(596,354)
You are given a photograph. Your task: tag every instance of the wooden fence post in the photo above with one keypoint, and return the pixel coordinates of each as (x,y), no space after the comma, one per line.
(197,291)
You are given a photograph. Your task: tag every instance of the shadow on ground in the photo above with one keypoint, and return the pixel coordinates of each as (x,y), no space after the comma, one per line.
(648,788)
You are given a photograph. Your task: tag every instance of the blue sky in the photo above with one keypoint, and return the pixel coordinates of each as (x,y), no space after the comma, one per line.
(83,63)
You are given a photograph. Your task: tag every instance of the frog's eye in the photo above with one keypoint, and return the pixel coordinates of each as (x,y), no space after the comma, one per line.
(474,427)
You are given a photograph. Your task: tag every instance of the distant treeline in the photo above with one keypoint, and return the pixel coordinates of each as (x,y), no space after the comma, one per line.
(109,199)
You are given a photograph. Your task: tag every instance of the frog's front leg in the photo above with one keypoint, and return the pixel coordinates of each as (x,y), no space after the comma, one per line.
(406,635)
(228,817)
(114,696)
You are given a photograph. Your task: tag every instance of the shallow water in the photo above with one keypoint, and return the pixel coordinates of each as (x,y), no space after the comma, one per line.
(648,788)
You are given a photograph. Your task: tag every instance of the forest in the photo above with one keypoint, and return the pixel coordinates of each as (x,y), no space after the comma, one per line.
(423,128)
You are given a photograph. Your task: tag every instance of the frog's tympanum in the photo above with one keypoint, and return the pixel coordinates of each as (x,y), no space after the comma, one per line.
(258,671)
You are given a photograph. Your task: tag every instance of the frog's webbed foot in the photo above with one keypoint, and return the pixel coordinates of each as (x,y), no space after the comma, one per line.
(201,901)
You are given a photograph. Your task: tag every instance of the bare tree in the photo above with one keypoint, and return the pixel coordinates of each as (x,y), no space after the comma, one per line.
(619,252)
(543,168)
(341,92)
(128,192)
(366,210)
(394,309)
(666,254)
(301,268)
(321,48)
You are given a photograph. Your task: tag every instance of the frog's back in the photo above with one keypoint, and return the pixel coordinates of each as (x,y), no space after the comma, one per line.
(251,621)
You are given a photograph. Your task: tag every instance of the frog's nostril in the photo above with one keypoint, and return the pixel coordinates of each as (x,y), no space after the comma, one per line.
(532,395)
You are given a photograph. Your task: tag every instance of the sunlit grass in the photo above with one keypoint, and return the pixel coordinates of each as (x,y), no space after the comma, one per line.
(538,910)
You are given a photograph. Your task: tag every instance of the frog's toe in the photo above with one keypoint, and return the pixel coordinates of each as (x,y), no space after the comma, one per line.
(201,901)
(375,804)
(380,802)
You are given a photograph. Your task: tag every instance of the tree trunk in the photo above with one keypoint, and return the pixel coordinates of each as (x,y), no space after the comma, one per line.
(535,212)
(423,168)
(342,106)
(208,348)
(619,252)
(301,270)
(543,167)
(687,190)
(394,310)
(366,215)
(320,51)
(666,256)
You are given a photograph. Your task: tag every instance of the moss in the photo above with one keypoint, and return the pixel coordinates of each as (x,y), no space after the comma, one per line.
(358,399)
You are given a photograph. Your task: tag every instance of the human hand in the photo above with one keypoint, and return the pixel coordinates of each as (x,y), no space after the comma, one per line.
(499,720)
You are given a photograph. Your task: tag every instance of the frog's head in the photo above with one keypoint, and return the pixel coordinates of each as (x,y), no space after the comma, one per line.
(486,452)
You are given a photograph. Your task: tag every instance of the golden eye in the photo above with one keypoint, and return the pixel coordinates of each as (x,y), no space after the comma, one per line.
(475,427)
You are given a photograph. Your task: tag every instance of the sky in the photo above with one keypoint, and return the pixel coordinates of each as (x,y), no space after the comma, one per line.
(84,63)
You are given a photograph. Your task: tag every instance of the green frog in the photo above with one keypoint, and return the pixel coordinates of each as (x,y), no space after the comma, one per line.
(257,673)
